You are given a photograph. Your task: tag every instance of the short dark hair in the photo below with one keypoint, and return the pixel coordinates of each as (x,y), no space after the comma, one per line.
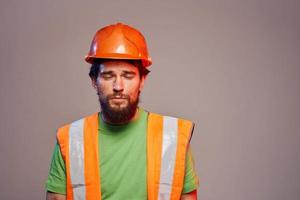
(95,68)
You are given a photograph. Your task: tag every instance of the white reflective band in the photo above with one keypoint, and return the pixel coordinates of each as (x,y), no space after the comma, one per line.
(76,150)
(168,157)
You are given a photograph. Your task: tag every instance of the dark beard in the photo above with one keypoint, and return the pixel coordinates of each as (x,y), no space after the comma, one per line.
(119,115)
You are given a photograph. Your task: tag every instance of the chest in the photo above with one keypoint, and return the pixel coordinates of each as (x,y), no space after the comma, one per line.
(123,165)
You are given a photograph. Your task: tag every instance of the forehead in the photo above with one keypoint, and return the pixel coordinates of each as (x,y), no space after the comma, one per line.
(117,65)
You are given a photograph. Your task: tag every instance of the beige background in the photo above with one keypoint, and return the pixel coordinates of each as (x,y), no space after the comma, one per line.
(231,66)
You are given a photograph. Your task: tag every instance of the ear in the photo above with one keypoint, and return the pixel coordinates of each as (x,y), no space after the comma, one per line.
(94,83)
(143,78)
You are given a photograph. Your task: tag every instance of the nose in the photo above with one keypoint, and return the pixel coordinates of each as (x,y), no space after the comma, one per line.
(118,85)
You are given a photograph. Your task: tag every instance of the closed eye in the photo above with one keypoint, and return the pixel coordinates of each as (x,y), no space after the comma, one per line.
(129,75)
(106,75)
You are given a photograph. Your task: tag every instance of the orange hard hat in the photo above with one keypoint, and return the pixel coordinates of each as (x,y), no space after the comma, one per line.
(119,41)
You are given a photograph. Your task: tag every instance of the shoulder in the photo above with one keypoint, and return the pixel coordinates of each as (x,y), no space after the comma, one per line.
(185,126)
(167,117)
(63,130)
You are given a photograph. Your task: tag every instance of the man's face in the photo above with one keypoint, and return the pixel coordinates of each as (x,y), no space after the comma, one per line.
(118,86)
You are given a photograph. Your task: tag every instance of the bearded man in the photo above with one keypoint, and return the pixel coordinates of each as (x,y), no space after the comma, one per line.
(124,151)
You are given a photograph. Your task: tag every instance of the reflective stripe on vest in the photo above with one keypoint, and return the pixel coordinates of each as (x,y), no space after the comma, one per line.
(76,155)
(167,141)
(67,137)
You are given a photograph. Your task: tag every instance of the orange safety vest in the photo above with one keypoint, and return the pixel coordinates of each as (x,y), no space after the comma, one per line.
(167,142)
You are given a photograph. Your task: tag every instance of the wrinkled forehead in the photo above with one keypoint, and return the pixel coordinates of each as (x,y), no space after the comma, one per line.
(118,65)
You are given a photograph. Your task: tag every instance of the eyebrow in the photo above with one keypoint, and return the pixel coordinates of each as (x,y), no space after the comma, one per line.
(106,72)
(128,72)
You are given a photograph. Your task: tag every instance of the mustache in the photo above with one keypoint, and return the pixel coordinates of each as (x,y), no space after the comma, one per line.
(118,96)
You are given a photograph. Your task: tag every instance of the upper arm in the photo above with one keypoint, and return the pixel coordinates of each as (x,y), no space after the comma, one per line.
(191,180)
(56,181)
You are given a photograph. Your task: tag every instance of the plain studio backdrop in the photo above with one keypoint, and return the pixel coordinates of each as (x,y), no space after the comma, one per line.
(230,66)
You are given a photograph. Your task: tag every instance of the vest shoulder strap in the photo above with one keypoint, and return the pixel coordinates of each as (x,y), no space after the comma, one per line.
(167,142)
(79,147)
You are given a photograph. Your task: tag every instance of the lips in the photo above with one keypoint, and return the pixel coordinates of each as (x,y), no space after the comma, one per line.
(118,97)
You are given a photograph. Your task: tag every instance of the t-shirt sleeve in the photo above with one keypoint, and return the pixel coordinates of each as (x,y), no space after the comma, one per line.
(56,181)
(191,180)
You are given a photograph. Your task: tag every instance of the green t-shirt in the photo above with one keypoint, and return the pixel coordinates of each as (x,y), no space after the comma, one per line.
(122,160)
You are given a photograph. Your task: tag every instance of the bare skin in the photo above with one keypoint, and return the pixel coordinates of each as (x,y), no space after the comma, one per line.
(189,196)
(118,77)
(55,196)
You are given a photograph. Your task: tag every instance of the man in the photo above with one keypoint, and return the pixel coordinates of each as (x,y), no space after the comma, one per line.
(122,152)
